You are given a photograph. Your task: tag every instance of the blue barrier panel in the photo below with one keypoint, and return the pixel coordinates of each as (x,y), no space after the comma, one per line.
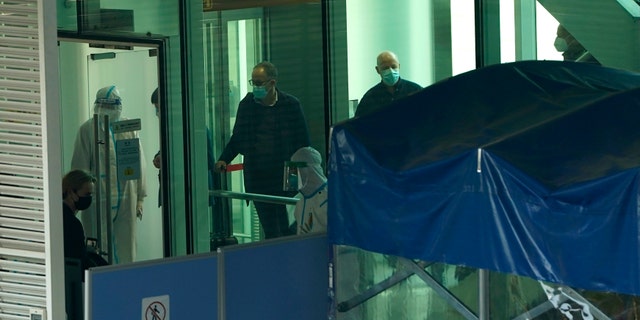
(182,288)
(279,279)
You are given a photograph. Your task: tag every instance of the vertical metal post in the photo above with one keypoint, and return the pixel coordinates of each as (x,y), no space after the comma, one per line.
(96,174)
(525,18)
(483,294)
(107,173)
(442,65)
(487,25)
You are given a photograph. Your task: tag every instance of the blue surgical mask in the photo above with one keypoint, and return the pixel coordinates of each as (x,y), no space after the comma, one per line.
(259,92)
(390,76)
(560,44)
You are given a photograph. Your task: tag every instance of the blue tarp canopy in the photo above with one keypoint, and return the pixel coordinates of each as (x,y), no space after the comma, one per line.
(529,168)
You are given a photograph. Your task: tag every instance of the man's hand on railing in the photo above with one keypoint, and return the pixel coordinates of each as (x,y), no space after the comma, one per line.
(220,166)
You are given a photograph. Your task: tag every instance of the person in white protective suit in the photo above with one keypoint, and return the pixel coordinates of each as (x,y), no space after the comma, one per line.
(126,195)
(311,209)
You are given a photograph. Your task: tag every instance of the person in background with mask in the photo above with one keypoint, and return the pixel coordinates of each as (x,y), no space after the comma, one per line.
(572,49)
(126,196)
(77,194)
(390,88)
(270,126)
(311,209)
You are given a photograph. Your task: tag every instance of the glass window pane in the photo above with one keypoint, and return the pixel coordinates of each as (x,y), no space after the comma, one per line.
(463,43)
(372,30)
(249,133)
(67,15)
(507,32)
(141,17)
(547,27)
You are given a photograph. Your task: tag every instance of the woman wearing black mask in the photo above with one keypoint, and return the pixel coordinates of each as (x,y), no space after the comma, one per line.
(77,193)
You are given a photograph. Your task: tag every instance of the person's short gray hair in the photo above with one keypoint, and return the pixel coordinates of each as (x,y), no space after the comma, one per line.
(269,69)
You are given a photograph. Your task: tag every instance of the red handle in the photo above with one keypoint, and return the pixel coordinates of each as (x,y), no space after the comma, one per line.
(234,167)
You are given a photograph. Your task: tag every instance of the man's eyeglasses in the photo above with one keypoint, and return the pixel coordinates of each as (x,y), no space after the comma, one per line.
(258,83)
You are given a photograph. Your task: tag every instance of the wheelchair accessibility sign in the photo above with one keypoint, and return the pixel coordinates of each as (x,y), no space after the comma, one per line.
(155,308)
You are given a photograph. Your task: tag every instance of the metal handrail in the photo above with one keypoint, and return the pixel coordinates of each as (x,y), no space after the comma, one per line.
(253,196)
(98,184)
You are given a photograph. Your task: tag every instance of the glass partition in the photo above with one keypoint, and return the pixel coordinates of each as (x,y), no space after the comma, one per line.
(233,45)
(234,42)
(67,15)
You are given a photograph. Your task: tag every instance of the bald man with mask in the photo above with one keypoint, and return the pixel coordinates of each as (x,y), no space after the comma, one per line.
(390,88)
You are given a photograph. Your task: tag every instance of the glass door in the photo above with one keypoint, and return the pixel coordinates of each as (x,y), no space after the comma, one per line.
(94,77)
(233,45)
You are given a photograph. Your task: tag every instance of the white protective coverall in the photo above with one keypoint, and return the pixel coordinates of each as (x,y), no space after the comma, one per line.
(311,209)
(126,196)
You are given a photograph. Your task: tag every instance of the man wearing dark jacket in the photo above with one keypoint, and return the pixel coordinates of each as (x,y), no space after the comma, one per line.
(390,88)
(270,126)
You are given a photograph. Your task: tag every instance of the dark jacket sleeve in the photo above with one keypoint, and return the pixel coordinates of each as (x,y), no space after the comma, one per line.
(366,103)
(74,240)
(241,132)
(300,129)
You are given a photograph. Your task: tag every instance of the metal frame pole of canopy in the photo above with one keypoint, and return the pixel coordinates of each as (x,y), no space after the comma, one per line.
(557,297)
(408,268)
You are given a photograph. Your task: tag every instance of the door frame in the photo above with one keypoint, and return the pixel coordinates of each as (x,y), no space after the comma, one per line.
(160,43)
